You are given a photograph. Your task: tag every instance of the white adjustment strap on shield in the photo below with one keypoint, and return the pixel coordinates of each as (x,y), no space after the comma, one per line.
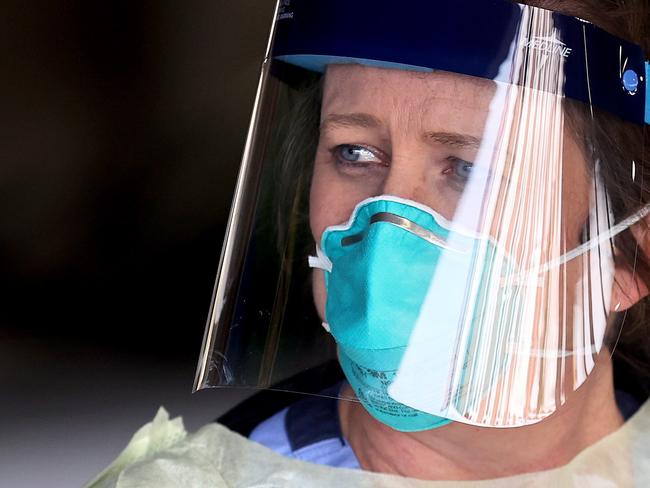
(320,261)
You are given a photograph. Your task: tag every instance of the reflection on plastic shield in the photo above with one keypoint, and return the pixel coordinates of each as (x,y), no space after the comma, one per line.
(477,377)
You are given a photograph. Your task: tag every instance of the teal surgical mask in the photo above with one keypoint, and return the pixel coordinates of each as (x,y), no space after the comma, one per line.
(378,268)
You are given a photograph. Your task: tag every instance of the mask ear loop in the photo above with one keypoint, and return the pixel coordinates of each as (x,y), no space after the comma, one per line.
(594,242)
(320,261)
(585,247)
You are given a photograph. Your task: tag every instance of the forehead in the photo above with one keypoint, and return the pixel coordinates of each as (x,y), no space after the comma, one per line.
(350,88)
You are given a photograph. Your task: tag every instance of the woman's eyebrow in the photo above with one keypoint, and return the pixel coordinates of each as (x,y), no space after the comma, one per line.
(453,139)
(366,121)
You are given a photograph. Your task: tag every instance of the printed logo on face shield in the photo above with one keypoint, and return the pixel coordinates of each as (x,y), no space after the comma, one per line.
(548,44)
(283,12)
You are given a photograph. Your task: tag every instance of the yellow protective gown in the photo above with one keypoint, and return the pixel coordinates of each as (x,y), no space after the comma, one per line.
(162,455)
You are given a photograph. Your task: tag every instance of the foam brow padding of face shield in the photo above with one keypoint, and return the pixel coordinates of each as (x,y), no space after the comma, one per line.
(216,457)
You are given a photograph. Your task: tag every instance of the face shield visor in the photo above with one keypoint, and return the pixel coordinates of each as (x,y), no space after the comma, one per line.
(447,189)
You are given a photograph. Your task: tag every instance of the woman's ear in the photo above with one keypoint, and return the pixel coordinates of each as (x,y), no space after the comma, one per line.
(629,287)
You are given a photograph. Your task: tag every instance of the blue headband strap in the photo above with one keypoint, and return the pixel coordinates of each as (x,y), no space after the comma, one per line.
(472,37)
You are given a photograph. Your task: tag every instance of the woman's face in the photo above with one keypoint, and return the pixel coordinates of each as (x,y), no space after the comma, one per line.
(415,136)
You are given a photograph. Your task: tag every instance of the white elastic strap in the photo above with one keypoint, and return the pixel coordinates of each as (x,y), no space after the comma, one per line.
(593,243)
(320,261)
(541,353)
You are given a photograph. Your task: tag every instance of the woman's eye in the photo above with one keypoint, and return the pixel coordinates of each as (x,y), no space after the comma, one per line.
(460,168)
(350,153)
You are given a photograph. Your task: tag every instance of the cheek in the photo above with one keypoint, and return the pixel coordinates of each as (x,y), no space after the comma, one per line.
(325,209)
(318,210)
(331,199)
(320,294)
(331,202)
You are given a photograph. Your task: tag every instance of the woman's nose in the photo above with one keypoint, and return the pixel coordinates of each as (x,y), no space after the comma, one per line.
(410,176)
(419,176)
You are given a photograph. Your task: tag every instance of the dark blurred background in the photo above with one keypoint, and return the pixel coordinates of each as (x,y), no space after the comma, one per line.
(122,124)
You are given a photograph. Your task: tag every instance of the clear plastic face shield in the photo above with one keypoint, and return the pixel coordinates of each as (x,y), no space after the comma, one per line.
(439,186)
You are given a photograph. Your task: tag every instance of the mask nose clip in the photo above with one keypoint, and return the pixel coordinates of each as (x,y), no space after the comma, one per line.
(402,223)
